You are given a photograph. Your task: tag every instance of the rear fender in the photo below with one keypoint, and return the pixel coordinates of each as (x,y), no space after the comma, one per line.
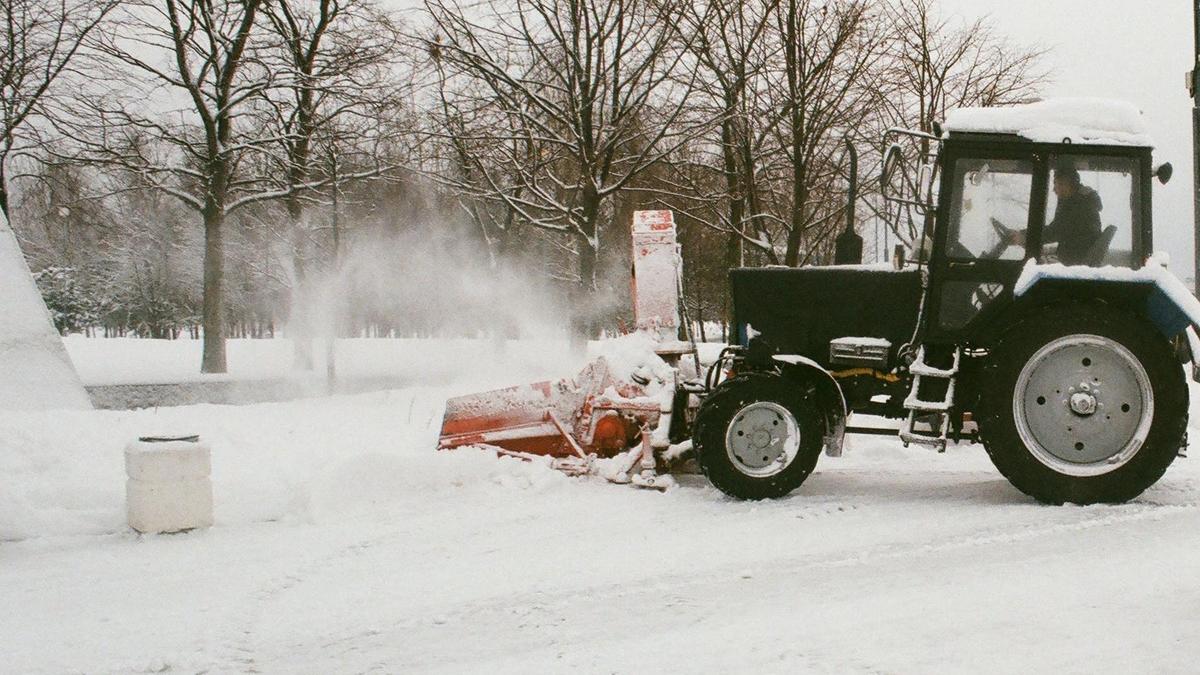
(829,397)
(1152,291)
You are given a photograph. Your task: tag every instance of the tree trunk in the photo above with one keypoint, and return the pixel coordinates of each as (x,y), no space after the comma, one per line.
(214,296)
(737,200)
(4,193)
(585,310)
(799,197)
(584,307)
(300,321)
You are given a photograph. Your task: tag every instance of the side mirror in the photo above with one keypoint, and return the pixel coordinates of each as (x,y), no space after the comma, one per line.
(1164,172)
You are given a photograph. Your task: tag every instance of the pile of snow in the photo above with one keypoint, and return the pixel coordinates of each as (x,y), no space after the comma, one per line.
(1096,121)
(62,472)
(36,373)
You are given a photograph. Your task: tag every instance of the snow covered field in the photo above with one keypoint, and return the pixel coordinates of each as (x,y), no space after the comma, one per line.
(344,543)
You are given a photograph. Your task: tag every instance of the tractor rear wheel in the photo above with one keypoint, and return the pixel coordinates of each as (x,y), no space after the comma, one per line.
(1082,403)
(758,436)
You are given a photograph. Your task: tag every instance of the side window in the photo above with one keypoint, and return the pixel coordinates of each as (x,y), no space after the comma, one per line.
(1090,213)
(990,197)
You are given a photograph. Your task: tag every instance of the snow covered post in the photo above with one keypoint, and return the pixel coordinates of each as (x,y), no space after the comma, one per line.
(169,484)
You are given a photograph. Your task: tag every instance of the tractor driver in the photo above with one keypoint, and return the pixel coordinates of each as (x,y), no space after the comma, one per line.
(1076,224)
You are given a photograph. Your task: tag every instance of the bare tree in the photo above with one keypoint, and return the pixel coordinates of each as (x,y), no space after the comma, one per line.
(794,78)
(39,40)
(342,57)
(193,57)
(733,53)
(829,52)
(936,64)
(572,100)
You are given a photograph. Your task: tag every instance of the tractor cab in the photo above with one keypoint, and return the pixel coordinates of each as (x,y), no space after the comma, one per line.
(1002,186)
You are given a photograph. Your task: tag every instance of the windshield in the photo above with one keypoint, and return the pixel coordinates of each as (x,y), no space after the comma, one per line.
(989,196)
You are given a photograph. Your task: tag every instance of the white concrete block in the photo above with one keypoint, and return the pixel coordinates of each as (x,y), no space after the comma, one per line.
(166,461)
(169,488)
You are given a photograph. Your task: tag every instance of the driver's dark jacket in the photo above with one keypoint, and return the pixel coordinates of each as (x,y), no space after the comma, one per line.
(1076,226)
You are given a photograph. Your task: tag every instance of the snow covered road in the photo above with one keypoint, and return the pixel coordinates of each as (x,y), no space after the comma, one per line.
(345,544)
(888,560)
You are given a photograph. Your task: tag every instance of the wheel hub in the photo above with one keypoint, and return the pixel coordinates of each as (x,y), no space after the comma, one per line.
(1083,405)
(763,438)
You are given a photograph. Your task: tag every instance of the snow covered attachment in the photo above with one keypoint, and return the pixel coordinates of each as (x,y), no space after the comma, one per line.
(591,423)
(605,420)
(556,418)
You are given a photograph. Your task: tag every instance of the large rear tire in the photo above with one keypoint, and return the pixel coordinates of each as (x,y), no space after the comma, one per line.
(1082,403)
(758,436)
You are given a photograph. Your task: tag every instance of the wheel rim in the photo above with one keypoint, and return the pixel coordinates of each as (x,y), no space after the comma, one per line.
(1083,405)
(763,439)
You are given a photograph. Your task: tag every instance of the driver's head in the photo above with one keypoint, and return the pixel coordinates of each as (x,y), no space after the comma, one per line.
(1066,181)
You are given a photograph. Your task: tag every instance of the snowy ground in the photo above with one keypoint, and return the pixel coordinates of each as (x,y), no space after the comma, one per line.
(344,543)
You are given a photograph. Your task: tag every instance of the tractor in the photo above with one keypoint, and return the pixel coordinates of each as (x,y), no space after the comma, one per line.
(1032,318)
(1070,375)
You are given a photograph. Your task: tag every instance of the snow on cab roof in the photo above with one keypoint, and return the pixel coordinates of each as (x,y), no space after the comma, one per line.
(1093,121)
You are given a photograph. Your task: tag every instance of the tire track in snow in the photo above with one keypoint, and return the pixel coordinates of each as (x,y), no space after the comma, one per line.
(237,651)
(239,648)
(538,612)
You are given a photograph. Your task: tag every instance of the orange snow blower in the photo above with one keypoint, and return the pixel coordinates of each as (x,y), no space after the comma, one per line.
(598,421)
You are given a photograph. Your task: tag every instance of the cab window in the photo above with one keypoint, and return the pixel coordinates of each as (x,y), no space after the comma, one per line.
(990,198)
(1090,211)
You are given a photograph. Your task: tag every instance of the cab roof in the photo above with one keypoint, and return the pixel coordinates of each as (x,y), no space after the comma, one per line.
(1086,121)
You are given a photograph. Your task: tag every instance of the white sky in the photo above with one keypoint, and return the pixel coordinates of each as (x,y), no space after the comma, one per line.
(1134,51)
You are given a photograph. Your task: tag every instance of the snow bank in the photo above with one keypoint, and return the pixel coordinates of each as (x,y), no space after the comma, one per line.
(62,473)
(36,373)
(1096,121)
(309,460)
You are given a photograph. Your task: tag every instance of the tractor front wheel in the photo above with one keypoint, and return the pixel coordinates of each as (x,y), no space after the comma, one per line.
(1082,403)
(758,436)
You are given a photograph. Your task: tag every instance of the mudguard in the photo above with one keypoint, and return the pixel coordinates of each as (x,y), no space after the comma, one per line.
(832,401)
(1164,299)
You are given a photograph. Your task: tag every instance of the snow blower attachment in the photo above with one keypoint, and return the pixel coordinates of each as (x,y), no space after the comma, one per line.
(599,421)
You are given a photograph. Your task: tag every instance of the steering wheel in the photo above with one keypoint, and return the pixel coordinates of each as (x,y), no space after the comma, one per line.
(1003,232)
(1005,240)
